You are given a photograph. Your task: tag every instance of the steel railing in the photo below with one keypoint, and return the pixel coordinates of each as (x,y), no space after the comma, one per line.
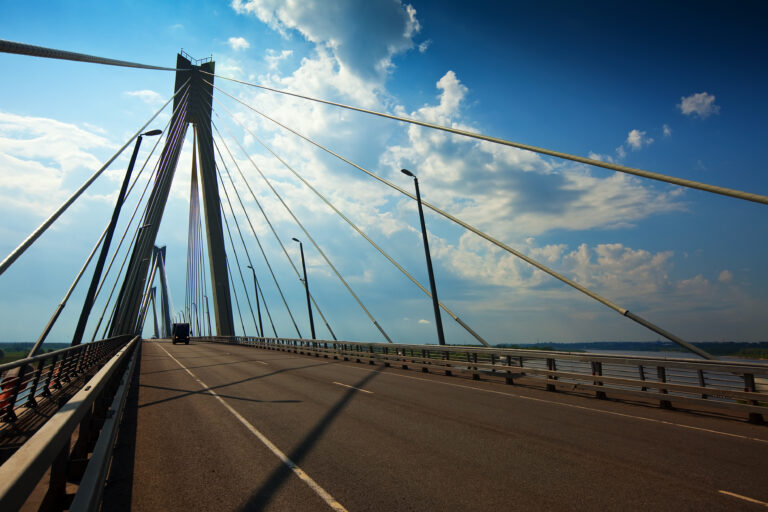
(740,387)
(86,424)
(28,382)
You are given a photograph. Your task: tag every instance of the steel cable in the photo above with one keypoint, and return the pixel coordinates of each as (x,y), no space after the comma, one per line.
(320,251)
(269,223)
(51,53)
(747,196)
(361,233)
(623,311)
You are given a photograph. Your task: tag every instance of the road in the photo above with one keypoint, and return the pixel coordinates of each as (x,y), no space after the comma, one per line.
(226,427)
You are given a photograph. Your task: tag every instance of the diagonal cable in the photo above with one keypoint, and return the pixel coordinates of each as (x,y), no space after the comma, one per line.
(738,194)
(261,248)
(8,261)
(51,53)
(622,311)
(361,233)
(319,250)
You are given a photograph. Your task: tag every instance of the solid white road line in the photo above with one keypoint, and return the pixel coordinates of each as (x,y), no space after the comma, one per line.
(745,498)
(335,505)
(353,387)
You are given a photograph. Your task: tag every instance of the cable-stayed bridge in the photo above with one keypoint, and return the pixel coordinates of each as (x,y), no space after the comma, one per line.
(257,414)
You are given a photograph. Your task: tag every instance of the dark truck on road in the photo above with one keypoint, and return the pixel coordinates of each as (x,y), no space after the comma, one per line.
(180,333)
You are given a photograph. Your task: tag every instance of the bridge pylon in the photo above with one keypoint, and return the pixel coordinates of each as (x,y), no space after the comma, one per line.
(195,108)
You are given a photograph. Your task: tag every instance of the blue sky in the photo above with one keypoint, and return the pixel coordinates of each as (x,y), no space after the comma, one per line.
(674,89)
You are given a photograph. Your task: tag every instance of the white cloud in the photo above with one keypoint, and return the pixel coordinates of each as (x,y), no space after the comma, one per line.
(424,45)
(147,96)
(637,139)
(36,157)
(667,130)
(238,43)
(726,276)
(700,104)
(509,192)
(339,27)
(273,58)
(424,321)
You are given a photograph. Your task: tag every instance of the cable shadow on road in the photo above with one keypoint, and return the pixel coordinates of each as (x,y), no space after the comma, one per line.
(205,390)
(262,497)
(179,369)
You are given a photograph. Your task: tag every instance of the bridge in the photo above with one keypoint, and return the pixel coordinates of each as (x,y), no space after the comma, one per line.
(266,417)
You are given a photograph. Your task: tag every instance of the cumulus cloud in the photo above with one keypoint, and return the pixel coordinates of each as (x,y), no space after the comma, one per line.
(667,130)
(637,139)
(238,43)
(38,154)
(388,27)
(506,191)
(424,45)
(273,58)
(700,104)
(726,276)
(424,321)
(147,96)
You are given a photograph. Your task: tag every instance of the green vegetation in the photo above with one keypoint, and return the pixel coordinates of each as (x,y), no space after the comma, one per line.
(10,352)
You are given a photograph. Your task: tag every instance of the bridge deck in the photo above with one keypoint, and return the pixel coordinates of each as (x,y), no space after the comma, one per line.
(409,441)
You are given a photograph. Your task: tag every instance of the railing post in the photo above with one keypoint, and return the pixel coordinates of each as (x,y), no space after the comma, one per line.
(749,386)
(597,369)
(702,381)
(31,399)
(509,380)
(641,371)
(551,366)
(662,374)
(475,374)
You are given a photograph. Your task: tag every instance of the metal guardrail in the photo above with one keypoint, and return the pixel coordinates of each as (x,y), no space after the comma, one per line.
(740,387)
(52,446)
(28,382)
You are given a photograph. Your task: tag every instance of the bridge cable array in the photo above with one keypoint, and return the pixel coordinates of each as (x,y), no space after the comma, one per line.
(264,255)
(8,261)
(135,284)
(250,262)
(738,194)
(358,230)
(234,251)
(253,231)
(49,326)
(623,311)
(320,251)
(266,218)
(130,222)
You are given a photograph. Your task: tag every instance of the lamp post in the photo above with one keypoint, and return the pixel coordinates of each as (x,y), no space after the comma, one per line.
(196,318)
(433,288)
(306,288)
(260,328)
(89,297)
(208,315)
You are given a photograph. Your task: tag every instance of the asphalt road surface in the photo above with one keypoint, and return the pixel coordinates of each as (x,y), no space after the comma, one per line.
(226,427)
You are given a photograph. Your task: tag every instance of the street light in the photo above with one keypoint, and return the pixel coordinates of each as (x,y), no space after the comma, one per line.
(433,288)
(306,288)
(260,328)
(208,314)
(89,297)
